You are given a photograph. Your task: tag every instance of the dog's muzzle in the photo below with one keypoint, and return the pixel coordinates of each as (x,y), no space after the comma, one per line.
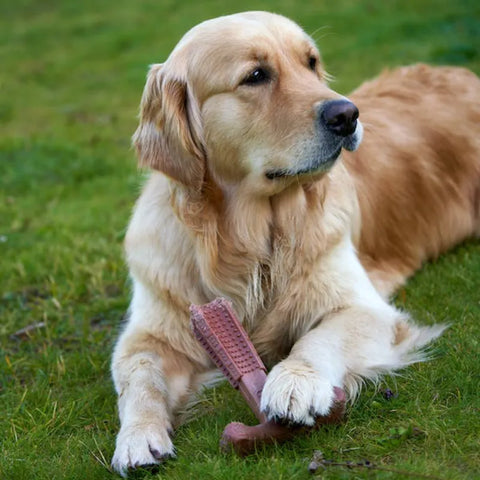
(336,126)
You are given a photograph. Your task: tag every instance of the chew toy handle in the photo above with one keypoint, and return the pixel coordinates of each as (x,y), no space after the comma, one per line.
(251,386)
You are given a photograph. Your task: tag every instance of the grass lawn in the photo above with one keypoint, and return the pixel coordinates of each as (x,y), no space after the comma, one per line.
(71,76)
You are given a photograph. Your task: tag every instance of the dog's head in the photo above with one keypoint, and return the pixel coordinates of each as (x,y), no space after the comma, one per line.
(244,99)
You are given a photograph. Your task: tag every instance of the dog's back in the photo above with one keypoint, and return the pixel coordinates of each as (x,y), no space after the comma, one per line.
(417,171)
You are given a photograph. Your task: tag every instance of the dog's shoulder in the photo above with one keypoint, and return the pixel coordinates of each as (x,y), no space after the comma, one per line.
(158,246)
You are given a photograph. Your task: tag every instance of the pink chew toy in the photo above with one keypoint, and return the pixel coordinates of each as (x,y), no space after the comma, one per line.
(216,327)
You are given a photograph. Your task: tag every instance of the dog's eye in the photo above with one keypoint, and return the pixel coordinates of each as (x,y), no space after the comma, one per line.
(312,63)
(257,77)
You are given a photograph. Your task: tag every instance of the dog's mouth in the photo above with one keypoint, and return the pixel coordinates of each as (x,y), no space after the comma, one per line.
(320,165)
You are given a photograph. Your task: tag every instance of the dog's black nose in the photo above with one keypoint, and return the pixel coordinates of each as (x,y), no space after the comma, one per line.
(340,117)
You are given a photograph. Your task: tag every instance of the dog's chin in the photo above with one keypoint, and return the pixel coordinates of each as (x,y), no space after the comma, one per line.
(316,166)
(322,164)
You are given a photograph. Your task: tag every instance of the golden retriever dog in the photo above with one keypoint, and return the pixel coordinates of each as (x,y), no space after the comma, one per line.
(256,195)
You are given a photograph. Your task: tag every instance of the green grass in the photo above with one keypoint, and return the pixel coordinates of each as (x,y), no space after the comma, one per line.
(70,82)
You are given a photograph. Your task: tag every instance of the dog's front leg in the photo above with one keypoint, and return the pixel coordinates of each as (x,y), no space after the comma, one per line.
(152,381)
(300,387)
(348,345)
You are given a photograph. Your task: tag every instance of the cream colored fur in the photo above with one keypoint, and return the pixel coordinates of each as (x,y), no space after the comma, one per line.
(309,259)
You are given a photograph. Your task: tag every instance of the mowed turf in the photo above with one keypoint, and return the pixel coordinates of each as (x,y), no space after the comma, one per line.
(71,76)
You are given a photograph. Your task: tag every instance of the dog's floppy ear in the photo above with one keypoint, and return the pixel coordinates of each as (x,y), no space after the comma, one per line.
(169,136)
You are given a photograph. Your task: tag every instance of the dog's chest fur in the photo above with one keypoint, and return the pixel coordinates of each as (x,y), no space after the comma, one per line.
(275,259)
(270,259)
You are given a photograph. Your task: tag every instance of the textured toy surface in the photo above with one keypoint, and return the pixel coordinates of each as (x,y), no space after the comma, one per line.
(216,326)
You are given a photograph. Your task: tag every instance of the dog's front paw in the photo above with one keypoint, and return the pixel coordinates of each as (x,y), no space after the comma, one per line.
(296,394)
(141,445)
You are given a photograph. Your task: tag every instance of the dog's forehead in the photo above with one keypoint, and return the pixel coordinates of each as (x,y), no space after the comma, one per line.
(224,42)
(244,25)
